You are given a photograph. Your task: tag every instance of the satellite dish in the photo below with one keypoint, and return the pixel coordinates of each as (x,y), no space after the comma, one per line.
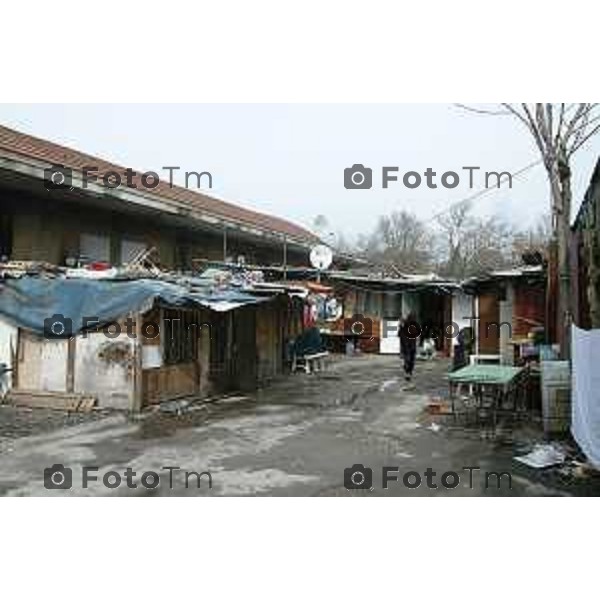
(321,257)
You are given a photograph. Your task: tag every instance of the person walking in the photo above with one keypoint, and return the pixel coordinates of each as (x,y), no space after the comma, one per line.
(408,332)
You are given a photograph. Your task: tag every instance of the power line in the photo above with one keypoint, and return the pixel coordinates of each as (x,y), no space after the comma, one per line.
(482,192)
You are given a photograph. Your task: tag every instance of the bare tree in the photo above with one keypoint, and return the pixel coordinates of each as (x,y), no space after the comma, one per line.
(488,246)
(455,226)
(559,131)
(400,240)
(471,246)
(320,225)
(343,244)
(534,241)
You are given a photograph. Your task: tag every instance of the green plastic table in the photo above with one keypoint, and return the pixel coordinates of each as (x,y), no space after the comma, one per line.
(481,374)
(496,381)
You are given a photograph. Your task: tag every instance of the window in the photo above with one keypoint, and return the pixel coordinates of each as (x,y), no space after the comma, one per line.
(179,334)
(94,247)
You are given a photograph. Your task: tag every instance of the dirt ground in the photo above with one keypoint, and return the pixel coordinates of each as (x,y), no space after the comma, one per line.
(297,437)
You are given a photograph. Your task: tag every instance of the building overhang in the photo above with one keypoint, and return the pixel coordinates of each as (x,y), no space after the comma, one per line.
(27,175)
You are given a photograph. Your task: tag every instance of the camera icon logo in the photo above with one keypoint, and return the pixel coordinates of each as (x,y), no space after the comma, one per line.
(58,177)
(58,477)
(358,177)
(58,327)
(358,326)
(358,477)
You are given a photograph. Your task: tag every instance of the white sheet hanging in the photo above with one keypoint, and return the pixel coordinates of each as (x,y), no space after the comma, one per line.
(585,407)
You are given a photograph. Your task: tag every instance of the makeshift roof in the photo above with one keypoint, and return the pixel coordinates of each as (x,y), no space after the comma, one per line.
(29,302)
(411,281)
(536,271)
(31,147)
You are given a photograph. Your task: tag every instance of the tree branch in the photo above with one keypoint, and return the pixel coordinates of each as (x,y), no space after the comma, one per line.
(561,119)
(481,111)
(583,140)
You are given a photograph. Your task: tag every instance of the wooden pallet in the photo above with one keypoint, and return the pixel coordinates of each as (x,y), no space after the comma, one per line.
(52,400)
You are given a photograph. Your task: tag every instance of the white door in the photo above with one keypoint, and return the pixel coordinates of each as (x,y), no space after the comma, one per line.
(389,342)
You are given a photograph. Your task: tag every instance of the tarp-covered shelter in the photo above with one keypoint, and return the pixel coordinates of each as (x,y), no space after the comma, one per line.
(128,344)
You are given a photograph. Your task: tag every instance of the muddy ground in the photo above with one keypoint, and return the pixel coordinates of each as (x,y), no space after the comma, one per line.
(294,438)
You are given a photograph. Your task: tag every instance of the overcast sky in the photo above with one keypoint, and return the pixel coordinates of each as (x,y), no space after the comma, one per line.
(289,160)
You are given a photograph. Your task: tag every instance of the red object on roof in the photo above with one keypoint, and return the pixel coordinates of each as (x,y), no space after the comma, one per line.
(36,148)
(99,266)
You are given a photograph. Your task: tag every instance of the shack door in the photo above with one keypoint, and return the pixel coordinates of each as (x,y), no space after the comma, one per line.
(42,364)
(244,355)
(489,318)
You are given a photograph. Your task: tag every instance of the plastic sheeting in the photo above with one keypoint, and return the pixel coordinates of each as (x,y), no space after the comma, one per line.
(585,406)
(29,302)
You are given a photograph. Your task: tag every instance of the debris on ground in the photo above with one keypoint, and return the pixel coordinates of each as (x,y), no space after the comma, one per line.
(434,427)
(232,399)
(387,384)
(439,406)
(175,407)
(543,455)
(180,406)
(16,269)
(582,470)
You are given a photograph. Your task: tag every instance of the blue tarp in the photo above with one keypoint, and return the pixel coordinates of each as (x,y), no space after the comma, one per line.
(29,302)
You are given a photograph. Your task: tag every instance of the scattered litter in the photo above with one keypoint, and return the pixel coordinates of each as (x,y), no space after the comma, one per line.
(22,268)
(438,406)
(175,407)
(434,427)
(232,399)
(404,455)
(543,455)
(582,470)
(387,384)
(82,273)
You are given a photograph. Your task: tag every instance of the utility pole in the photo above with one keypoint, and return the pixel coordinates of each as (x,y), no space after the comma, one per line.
(285,258)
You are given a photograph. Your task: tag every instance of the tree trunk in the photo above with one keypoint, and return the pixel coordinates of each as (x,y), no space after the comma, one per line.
(563,236)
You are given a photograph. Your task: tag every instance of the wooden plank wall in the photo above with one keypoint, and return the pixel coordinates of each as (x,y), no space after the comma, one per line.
(170,381)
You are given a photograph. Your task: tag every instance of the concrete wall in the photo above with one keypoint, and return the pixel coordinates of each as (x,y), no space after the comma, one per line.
(104,369)
(101,367)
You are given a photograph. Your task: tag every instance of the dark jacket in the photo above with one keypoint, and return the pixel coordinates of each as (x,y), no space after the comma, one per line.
(408,332)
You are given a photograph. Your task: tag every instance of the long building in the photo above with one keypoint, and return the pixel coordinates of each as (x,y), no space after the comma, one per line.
(91,220)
